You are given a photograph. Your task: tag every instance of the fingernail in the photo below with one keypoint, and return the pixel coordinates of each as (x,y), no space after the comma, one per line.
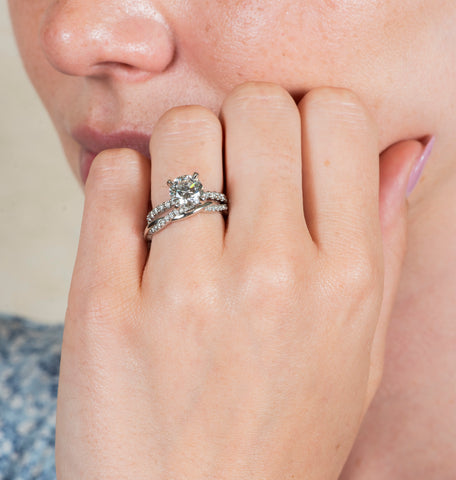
(417,169)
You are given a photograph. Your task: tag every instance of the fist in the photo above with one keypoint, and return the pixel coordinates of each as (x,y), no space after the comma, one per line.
(245,347)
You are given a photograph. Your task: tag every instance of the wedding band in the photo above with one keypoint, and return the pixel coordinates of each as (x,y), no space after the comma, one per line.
(187,197)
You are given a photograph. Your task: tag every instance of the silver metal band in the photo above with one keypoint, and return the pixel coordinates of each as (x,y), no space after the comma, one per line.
(179,214)
(220,197)
(187,198)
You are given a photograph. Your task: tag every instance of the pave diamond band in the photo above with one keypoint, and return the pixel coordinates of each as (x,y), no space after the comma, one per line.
(175,203)
(187,198)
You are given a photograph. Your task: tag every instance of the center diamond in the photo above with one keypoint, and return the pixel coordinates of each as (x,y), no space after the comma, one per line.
(187,189)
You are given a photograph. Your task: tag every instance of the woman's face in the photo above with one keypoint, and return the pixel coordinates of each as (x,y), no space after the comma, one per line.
(115,66)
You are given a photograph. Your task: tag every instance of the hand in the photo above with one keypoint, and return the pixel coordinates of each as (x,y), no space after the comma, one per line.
(249,350)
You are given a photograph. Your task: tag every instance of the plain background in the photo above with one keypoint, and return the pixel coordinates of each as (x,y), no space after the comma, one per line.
(40,200)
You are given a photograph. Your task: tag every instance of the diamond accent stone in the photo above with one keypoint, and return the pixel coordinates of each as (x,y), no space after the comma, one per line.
(216,208)
(186,189)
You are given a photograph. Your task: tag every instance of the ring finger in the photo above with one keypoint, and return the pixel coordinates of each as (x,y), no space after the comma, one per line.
(186,139)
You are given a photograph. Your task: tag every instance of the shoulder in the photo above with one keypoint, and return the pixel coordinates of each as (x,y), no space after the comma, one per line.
(29,371)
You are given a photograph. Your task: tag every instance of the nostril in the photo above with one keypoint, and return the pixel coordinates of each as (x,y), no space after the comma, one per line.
(119,70)
(125,66)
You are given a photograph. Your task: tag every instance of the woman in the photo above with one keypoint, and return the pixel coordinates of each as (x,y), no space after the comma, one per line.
(252,342)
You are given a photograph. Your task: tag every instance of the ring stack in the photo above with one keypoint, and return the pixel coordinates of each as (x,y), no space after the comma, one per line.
(187,197)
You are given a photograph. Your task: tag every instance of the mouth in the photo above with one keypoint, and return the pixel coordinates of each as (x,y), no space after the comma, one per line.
(93,142)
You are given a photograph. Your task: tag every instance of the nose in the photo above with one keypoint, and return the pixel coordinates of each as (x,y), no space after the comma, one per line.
(98,38)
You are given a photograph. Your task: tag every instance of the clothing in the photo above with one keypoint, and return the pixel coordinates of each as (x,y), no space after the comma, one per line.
(29,372)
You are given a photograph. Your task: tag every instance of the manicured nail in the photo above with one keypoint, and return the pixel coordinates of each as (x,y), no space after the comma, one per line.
(417,169)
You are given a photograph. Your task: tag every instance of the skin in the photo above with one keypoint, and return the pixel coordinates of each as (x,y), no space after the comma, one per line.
(398,57)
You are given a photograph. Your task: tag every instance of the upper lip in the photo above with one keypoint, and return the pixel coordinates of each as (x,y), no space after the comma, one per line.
(96,141)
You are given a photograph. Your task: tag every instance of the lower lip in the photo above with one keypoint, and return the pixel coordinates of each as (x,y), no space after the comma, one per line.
(85,161)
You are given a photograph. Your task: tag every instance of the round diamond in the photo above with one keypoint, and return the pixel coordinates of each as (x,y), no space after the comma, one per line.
(186,189)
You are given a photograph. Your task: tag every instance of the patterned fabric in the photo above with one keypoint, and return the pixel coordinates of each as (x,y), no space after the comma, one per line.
(29,372)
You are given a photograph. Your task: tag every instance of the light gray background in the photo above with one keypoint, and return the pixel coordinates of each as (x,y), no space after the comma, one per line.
(40,201)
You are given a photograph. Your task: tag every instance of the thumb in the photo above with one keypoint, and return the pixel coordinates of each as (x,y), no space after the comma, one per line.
(400,166)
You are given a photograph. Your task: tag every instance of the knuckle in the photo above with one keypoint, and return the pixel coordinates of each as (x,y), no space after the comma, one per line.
(328,96)
(189,306)
(338,103)
(252,94)
(359,277)
(113,167)
(114,158)
(191,298)
(270,282)
(101,314)
(187,117)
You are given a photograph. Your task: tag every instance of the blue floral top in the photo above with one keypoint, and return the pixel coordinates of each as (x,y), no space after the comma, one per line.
(29,373)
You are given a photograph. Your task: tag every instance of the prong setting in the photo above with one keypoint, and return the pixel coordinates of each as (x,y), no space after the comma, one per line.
(186,198)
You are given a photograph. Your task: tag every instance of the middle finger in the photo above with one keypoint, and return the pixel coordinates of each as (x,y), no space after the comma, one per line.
(263,168)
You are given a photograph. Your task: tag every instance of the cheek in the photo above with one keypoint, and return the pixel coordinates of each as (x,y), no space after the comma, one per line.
(26,18)
(387,52)
(299,45)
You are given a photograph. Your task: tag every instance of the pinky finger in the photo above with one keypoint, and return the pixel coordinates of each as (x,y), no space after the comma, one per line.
(396,164)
